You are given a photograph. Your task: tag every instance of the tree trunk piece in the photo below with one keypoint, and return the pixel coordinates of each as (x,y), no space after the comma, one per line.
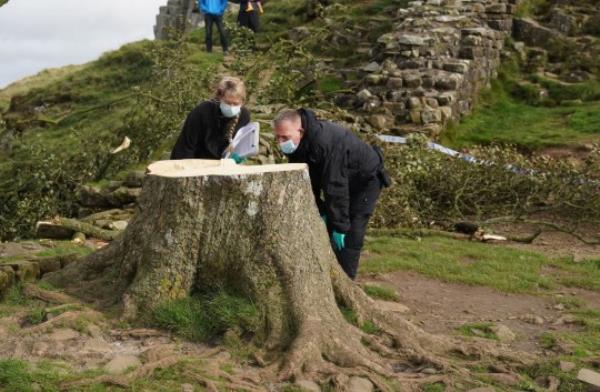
(206,225)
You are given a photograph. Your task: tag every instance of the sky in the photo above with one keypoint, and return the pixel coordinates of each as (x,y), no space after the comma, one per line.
(40,34)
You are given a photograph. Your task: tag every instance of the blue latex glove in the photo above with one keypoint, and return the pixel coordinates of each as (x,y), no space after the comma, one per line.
(339,240)
(324,217)
(237,158)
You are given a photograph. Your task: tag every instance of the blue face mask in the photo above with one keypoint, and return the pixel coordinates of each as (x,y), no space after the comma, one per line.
(229,110)
(288,147)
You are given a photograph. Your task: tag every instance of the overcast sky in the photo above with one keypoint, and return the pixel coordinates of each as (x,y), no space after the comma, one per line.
(39,34)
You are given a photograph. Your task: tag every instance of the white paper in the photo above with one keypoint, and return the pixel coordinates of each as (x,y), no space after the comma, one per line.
(246,141)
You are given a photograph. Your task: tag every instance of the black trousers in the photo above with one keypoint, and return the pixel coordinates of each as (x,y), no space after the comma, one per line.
(208,22)
(363,198)
(250,19)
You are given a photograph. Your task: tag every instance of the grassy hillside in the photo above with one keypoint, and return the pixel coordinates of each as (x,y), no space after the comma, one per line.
(61,126)
(512,112)
(57,128)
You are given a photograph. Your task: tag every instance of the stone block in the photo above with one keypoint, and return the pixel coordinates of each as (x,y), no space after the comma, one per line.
(412,80)
(447,83)
(394,83)
(445,99)
(431,116)
(431,102)
(499,8)
(456,66)
(415,116)
(446,113)
(378,121)
(532,33)
(414,103)
(470,52)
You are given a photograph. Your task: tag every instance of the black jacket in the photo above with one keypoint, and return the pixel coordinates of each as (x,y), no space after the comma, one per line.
(203,135)
(338,162)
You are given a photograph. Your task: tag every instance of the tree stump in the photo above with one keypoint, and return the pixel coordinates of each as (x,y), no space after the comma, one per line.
(213,224)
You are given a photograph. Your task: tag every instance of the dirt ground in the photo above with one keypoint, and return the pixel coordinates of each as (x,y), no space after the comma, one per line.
(552,243)
(441,308)
(85,340)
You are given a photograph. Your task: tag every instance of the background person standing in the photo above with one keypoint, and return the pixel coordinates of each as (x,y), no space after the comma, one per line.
(213,11)
(249,15)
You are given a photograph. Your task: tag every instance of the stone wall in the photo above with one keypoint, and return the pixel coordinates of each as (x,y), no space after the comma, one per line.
(181,15)
(431,67)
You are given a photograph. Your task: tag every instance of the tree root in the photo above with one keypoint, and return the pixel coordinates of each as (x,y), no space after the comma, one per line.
(33,291)
(402,342)
(105,379)
(62,319)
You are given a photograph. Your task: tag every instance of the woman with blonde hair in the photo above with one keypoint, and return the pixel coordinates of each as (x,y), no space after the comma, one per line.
(211,126)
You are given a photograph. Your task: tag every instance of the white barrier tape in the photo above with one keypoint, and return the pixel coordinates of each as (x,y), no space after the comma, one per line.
(467,157)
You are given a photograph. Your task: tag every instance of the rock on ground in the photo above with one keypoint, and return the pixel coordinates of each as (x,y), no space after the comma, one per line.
(120,364)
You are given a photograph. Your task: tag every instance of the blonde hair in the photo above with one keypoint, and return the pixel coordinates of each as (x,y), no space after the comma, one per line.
(230,85)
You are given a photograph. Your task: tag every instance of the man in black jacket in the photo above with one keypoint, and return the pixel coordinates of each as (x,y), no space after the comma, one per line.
(346,171)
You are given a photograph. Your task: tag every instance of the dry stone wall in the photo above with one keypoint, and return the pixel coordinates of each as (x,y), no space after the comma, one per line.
(180,15)
(430,68)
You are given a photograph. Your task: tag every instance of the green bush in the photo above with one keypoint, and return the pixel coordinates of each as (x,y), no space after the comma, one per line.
(143,90)
(433,187)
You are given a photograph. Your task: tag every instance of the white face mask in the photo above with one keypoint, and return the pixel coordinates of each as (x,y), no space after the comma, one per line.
(288,147)
(229,110)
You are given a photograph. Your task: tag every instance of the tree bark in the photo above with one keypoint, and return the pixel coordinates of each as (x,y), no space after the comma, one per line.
(256,229)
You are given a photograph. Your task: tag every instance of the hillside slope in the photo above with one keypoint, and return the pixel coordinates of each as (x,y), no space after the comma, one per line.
(57,129)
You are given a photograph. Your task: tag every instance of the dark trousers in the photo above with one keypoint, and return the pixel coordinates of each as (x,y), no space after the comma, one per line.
(250,19)
(363,198)
(208,22)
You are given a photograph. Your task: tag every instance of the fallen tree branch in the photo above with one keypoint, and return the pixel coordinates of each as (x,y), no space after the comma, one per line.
(87,229)
(528,239)
(416,233)
(551,225)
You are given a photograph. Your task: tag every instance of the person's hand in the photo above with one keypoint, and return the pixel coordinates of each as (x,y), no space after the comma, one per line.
(339,240)
(238,159)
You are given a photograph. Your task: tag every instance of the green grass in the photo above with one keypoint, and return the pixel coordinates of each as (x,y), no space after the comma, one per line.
(36,316)
(200,318)
(568,381)
(349,315)
(65,248)
(367,327)
(433,387)
(381,292)
(458,261)
(15,296)
(585,274)
(505,119)
(37,81)
(87,111)
(530,8)
(18,376)
(482,330)
(474,263)
(585,342)
(370,328)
